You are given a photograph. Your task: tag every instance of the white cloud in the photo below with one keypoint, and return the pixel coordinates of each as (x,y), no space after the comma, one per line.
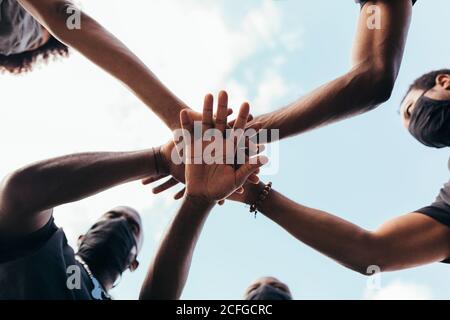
(400,290)
(72,106)
(271,88)
(189,43)
(292,40)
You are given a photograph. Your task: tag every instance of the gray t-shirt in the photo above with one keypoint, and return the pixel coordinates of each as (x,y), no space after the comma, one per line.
(19,31)
(443,200)
(440,209)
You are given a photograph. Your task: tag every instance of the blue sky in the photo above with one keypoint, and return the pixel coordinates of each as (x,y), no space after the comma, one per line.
(366,170)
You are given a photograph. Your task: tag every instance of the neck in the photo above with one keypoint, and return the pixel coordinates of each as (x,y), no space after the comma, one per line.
(106,278)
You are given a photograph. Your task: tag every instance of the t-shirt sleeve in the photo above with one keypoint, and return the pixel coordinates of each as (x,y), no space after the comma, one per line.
(12,249)
(440,209)
(437,213)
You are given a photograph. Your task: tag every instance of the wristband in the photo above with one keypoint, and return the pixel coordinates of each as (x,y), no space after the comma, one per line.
(157,157)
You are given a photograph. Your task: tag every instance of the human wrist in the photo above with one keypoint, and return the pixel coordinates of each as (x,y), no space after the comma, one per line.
(175,123)
(161,161)
(199,200)
(252,192)
(262,197)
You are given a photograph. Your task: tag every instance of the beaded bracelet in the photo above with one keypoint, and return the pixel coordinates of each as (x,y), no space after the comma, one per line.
(262,196)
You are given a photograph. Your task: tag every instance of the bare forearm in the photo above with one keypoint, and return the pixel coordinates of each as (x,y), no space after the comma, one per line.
(336,238)
(168,273)
(110,54)
(376,59)
(403,242)
(53,182)
(106,51)
(348,95)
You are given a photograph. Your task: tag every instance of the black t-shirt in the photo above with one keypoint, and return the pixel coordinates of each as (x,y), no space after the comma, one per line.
(42,266)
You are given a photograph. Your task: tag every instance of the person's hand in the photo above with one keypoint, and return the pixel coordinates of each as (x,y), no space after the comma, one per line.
(221,178)
(176,171)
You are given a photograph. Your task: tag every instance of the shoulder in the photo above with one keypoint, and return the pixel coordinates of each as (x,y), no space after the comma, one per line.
(19,246)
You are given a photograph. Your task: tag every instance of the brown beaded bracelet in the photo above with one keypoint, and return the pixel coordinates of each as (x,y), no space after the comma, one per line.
(262,196)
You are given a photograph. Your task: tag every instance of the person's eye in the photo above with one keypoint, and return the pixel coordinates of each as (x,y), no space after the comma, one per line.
(112,214)
(252,289)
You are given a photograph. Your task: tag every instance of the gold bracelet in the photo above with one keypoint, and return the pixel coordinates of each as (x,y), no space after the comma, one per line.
(262,196)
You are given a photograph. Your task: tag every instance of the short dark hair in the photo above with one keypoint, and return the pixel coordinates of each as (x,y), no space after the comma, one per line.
(427,81)
(24,62)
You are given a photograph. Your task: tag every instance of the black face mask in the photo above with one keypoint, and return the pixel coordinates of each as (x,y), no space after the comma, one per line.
(269,293)
(108,246)
(430,122)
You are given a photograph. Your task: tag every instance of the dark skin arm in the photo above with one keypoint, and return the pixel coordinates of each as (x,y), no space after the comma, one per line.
(28,195)
(404,242)
(376,59)
(206,184)
(169,271)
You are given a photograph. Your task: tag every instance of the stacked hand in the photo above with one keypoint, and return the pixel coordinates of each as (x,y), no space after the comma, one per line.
(221,178)
(218,122)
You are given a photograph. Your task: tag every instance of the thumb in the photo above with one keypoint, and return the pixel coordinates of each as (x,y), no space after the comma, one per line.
(186,122)
(244,172)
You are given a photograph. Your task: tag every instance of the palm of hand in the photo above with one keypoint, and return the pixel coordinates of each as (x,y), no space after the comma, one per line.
(213,181)
(178,170)
(210,175)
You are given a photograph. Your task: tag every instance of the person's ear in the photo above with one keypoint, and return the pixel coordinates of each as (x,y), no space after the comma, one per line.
(134,265)
(443,80)
(80,240)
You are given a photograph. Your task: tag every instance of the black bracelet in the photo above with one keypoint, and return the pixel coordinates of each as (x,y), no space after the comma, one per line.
(261,197)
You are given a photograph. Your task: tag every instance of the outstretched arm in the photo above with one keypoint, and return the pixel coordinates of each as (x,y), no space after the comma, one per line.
(106,51)
(377,56)
(28,194)
(207,182)
(404,242)
(169,271)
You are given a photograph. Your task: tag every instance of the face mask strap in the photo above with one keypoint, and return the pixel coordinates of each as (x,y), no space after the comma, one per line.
(423,94)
